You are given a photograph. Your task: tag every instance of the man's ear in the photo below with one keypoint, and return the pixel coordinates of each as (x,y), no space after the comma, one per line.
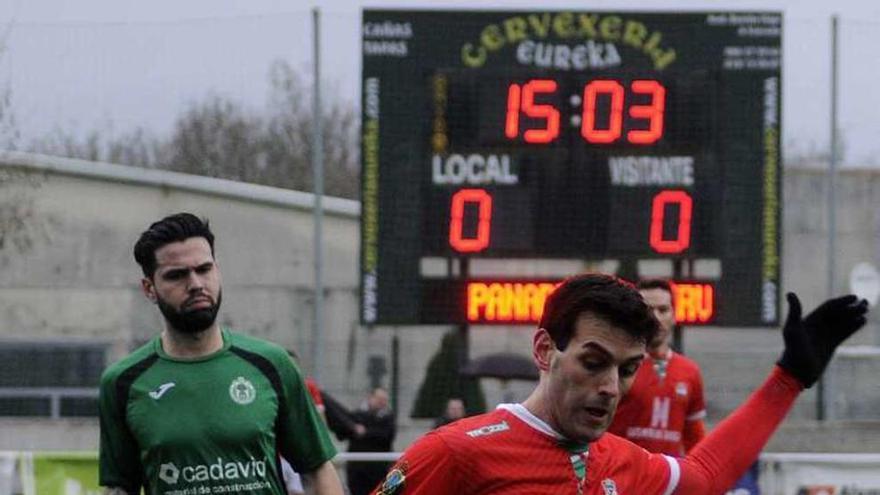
(148,289)
(542,349)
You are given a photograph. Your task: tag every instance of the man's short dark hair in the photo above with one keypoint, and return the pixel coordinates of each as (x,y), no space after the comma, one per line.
(654,283)
(173,228)
(606,297)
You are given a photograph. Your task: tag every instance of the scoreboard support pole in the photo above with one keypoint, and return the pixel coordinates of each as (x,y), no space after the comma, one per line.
(395,373)
(464,348)
(678,330)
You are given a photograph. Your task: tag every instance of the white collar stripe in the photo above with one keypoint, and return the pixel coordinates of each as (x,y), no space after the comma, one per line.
(530,419)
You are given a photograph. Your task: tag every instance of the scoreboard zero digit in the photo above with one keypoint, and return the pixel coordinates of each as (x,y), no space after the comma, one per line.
(569,135)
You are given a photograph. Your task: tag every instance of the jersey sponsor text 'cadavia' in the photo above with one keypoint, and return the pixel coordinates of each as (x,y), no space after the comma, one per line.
(218,471)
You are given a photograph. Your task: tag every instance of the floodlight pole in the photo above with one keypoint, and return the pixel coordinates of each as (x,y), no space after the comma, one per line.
(822,408)
(317,212)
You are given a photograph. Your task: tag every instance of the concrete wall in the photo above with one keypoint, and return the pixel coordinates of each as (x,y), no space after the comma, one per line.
(73,276)
(68,273)
(805,231)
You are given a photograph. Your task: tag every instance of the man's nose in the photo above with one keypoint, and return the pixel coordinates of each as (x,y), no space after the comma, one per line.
(194,281)
(610,384)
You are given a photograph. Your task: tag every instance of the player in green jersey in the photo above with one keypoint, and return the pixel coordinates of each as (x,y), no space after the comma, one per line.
(201,409)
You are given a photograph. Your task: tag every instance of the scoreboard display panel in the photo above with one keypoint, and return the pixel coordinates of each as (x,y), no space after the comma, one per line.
(568,135)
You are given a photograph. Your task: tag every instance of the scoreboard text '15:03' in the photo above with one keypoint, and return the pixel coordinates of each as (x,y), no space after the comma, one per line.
(522,99)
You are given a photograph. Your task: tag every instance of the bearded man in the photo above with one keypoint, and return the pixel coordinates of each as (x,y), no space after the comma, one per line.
(200,408)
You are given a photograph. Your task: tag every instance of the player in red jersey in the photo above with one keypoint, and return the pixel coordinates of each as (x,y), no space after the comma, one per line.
(588,347)
(663,411)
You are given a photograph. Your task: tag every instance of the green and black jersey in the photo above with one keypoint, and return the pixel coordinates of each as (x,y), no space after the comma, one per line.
(216,424)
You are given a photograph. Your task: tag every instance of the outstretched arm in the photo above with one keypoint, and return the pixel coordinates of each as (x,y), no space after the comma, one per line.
(714,465)
(723,456)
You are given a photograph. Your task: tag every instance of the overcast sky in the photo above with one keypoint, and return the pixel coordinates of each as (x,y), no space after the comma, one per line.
(113,65)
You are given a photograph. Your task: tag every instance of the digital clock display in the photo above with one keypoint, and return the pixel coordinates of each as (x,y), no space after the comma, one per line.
(613,110)
(568,135)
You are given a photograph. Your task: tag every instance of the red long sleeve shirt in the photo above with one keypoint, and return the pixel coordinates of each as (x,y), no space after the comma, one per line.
(510,451)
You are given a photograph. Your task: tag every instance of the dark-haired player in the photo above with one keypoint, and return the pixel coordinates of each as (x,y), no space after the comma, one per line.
(200,409)
(589,345)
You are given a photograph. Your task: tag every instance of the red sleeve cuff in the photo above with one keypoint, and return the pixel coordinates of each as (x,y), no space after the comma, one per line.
(785,380)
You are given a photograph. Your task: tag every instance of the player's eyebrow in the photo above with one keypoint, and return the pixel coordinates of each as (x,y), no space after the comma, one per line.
(595,346)
(182,270)
(635,359)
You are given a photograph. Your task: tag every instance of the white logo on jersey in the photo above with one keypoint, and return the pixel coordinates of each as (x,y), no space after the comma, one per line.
(681,389)
(250,469)
(660,415)
(160,391)
(169,473)
(242,391)
(609,486)
(488,429)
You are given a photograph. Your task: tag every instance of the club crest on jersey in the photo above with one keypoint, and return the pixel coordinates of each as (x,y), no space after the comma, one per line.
(609,487)
(242,391)
(681,389)
(395,480)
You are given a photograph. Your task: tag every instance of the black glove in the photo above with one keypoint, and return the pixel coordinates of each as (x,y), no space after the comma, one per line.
(810,342)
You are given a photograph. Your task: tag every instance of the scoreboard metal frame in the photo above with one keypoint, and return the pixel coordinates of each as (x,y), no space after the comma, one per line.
(568,135)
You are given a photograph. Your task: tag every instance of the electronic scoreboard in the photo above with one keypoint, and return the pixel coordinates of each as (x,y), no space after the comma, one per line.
(568,135)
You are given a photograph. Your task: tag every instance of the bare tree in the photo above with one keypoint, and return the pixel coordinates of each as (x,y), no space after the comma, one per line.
(218,137)
(18,225)
(9,134)
(17,218)
(291,129)
(137,148)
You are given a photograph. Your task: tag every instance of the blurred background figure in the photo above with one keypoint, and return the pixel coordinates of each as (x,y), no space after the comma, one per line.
(454,411)
(311,385)
(373,431)
(292,480)
(663,411)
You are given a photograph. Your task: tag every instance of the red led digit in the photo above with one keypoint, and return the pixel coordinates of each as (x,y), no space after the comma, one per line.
(511,122)
(658,212)
(653,112)
(456,220)
(535,111)
(615,118)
